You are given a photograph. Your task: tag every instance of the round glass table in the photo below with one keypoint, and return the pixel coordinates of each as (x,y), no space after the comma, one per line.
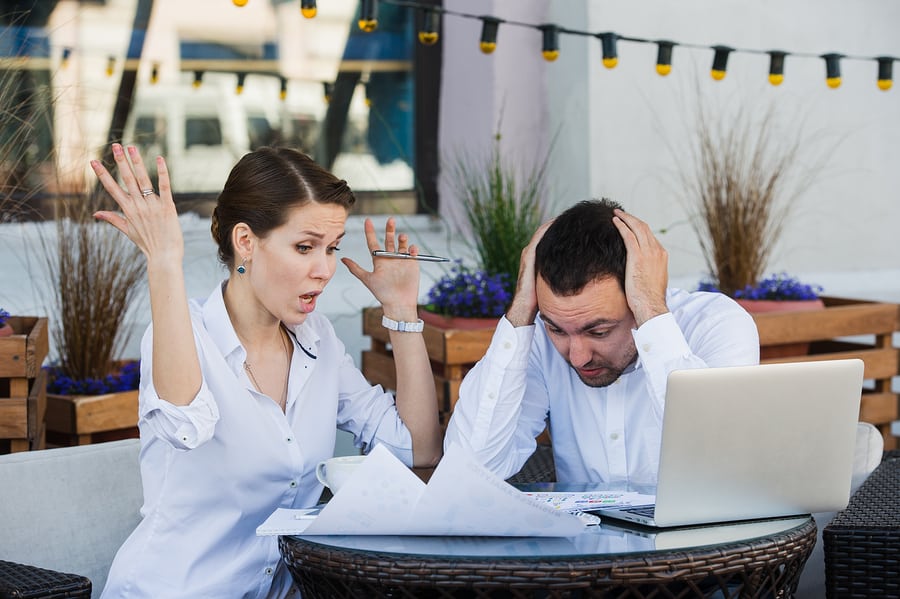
(761,558)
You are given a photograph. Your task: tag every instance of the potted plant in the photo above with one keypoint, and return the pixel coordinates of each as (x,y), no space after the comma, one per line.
(466,298)
(778,291)
(95,273)
(503,205)
(743,178)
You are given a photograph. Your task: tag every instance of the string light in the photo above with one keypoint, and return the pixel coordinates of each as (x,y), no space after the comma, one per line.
(428,34)
(368,15)
(368,99)
(489,28)
(550,47)
(664,57)
(720,62)
(885,72)
(608,46)
(832,70)
(198,79)
(239,88)
(328,90)
(776,66)
(432,15)
(282,92)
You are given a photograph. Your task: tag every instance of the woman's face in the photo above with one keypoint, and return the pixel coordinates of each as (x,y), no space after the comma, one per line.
(294,262)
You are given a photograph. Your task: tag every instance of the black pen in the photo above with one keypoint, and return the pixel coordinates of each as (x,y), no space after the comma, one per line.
(422,257)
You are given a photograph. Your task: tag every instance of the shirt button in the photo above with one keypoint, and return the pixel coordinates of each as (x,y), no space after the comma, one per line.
(646,347)
(293,484)
(184,439)
(614,436)
(290,439)
(269,571)
(507,345)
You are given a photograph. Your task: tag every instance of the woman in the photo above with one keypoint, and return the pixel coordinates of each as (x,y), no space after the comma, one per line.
(241,393)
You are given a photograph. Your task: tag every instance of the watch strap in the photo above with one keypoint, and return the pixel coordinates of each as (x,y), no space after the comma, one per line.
(402,326)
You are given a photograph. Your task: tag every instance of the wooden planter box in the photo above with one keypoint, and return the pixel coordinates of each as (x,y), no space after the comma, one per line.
(871,326)
(23,387)
(452,353)
(846,328)
(83,419)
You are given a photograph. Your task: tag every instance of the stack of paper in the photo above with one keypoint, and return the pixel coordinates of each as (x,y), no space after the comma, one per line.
(384,497)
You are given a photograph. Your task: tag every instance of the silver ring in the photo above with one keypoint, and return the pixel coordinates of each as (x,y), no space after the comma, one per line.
(147,192)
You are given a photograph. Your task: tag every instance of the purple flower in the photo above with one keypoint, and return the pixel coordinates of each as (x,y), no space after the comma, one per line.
(471,293)
(4,315)
(778,286)
(126,379)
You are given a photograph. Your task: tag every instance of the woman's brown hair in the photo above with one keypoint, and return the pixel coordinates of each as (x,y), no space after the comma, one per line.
(264,186)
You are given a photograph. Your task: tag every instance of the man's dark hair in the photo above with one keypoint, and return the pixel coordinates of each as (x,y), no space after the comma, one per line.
(581,245)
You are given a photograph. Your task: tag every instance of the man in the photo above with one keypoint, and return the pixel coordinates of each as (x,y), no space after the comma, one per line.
(588,342)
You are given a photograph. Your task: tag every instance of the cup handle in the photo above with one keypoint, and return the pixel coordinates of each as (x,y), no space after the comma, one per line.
(320,473)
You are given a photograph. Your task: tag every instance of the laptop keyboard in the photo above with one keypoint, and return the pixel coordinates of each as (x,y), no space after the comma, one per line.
(641,510)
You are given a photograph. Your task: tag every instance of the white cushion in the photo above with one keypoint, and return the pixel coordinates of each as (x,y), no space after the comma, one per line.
(70,509)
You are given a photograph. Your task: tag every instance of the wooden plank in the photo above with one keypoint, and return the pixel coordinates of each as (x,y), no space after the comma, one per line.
(467,347)
(86,414)
(37,406)
(838,321)
(379,369)
(878,408)
(446,346)
(14,418)
(879,363)
(22,354)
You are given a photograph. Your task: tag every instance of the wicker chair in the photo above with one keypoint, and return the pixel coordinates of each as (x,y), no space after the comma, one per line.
(862,543)
(539,468)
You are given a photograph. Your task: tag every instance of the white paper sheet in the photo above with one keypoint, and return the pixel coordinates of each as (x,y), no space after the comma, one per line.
(384,497)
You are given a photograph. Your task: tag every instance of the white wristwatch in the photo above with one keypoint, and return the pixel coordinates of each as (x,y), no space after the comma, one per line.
(403,327)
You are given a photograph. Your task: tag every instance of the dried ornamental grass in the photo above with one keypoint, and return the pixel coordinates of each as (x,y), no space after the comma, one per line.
(746,175)
(97,271)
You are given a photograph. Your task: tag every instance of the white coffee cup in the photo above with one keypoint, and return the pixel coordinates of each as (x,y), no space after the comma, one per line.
(334,472)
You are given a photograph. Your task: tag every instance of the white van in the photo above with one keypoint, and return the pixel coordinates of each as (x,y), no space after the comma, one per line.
(202,132)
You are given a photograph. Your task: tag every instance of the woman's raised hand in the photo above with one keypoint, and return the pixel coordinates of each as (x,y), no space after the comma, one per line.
(148,218)
(393,282)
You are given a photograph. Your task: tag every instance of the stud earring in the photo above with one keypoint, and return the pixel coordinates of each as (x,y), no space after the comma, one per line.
(241,268)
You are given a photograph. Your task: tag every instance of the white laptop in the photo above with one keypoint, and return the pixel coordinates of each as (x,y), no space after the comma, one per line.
(750,442)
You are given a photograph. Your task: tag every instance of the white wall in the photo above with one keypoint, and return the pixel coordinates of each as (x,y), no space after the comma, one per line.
(614,125)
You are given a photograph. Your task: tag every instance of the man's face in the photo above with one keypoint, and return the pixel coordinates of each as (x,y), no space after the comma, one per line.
(591,330)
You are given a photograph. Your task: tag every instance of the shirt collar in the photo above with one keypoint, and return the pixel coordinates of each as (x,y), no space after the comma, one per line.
(218,324)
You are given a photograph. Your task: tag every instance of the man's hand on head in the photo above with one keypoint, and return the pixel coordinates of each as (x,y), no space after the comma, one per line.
(646,268)
(524,306)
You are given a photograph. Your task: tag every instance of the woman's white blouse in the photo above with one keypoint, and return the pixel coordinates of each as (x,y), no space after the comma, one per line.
(216,469)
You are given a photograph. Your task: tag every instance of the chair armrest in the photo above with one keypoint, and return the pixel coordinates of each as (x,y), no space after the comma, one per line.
(862,542)
(20,581)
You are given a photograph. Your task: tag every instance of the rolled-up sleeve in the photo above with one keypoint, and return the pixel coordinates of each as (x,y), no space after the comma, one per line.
(183,427)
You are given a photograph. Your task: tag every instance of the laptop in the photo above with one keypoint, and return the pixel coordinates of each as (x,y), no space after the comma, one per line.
(747,442)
